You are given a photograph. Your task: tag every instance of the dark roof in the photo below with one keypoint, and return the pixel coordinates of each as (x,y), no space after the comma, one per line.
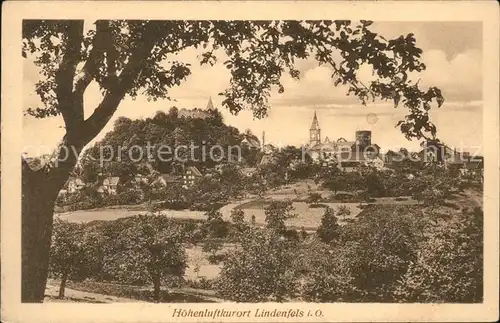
(169,178)
(247,170)
(194,170)
(252,141)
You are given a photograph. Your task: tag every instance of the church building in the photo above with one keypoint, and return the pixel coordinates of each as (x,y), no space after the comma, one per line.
(347,155)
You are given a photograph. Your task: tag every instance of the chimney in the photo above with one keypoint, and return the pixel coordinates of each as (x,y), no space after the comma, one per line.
(263,139)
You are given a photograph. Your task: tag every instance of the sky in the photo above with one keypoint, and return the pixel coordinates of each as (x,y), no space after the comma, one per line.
(452,52)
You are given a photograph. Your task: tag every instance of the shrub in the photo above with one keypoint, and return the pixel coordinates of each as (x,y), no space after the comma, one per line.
(385,241)
(147,249)
(317,205)
(267,263)
(449,267)
(202,283)
(313,198)
(326,274)
(277,212)
(329,227)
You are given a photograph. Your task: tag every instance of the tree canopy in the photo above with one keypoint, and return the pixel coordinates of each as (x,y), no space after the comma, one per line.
(131,57)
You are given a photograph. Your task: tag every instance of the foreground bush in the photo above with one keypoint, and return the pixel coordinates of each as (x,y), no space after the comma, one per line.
(260,270)
(449,265)
(149,249)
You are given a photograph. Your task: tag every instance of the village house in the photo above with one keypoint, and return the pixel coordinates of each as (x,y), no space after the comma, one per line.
(110,185)
(443,154)
(248,171)
(165,180)
(191,174)
(74,185)
(137,183)
(473,167)
(250,142)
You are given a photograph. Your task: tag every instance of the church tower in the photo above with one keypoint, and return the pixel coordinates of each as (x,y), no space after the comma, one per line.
(314,132)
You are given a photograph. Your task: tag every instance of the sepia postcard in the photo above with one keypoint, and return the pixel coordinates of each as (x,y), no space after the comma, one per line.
(250,161)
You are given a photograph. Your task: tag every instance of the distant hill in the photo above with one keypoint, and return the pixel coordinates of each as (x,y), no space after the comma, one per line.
(201,129)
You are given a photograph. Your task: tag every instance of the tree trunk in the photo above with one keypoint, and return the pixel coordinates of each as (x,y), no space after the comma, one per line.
(157,288)
(39,192)
(62,287)
(37,210)
(40,188)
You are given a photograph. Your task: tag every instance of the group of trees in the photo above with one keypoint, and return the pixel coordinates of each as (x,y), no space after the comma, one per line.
(390,254)
(426,185)
(139,250)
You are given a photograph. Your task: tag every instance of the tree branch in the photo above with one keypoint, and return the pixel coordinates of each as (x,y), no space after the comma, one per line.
(103,113)
(65,74)
(89,70)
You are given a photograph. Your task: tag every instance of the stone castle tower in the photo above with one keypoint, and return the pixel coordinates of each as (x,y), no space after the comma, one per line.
(314,132)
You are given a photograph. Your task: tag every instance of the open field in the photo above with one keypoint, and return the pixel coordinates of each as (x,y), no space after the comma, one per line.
(198,265)
(110,214)
(307,216)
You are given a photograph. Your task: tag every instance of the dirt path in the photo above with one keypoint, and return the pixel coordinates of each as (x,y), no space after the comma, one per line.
(72,295)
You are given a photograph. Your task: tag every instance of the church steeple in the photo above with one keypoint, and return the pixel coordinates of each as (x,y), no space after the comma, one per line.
(315,123)
(314,132)
(210,105)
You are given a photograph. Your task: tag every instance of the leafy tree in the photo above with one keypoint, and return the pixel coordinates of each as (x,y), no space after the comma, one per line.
(126,58)
(329,227)
(216,226)
(259,270)
(238,218)
(430,197)
(385,241)
(336,183)
(231,180)
(326,273)
(206,194)
(148,249)
(173,195)
(374,183)
(449,267)
(277,212)
(67,253)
